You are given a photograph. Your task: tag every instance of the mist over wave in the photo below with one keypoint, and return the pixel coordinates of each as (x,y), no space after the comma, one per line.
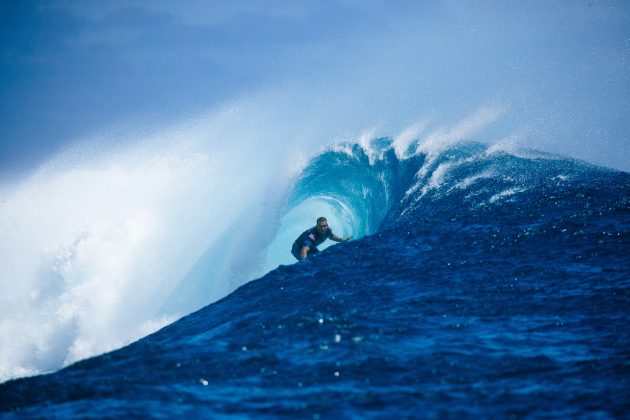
(92,245)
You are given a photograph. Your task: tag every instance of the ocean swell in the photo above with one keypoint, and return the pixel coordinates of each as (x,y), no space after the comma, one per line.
(100,253)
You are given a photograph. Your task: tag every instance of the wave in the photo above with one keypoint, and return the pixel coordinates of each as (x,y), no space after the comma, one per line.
(368,187)
(483,275)
(98,254)
(376,189)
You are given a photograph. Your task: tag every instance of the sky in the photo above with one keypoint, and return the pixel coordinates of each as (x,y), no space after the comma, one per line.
(560,71)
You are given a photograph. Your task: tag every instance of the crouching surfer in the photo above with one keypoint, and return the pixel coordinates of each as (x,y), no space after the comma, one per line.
(306,243)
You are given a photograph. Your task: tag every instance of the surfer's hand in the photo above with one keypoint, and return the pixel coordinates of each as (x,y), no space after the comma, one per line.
(347,239)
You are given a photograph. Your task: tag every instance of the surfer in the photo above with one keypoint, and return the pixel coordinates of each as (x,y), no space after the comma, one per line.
(306,243)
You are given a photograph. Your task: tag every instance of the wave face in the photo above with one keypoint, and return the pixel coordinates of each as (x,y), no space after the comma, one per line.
(484,282)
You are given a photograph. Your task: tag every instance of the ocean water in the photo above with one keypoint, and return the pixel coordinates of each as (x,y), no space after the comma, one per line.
(483,282)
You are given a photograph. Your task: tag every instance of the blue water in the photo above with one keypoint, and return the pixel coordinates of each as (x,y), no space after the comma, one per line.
(482,284)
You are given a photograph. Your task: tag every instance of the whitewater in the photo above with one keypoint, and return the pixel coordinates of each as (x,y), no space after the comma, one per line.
(92,248)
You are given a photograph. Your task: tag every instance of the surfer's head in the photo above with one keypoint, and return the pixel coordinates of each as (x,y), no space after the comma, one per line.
(322,225)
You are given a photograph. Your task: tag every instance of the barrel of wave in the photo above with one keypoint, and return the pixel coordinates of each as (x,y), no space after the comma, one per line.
(342,219)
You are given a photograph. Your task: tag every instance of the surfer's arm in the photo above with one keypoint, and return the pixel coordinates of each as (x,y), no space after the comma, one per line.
(338,239)
(304,252)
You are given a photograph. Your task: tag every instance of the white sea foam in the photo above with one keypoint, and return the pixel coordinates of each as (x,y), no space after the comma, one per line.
(343,147)
(505,193)
(93,247)
(440,140)
(437,177)
(407,137)
(467,182)
(366,140)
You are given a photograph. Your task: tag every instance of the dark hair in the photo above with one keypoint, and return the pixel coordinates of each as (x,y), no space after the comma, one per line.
(321,219)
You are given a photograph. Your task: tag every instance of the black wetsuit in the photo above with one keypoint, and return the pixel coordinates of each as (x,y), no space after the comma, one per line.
(310,238)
